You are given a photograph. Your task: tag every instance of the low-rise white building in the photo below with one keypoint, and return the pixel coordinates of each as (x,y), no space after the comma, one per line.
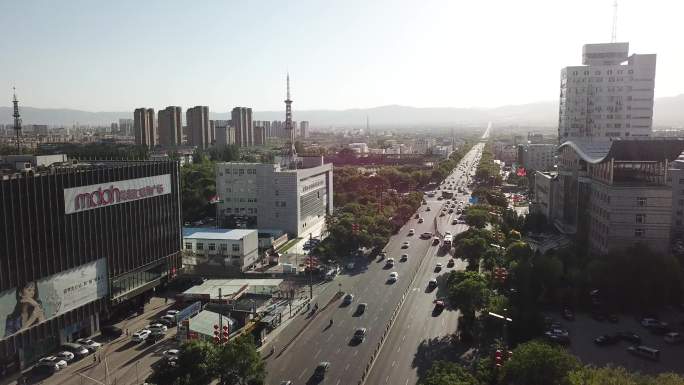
(209,248)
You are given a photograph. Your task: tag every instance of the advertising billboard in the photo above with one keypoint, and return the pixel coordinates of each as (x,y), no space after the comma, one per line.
(94,196)
(38,301)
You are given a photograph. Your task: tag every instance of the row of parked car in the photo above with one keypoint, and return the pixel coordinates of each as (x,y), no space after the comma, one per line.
(69,352)
(156,330)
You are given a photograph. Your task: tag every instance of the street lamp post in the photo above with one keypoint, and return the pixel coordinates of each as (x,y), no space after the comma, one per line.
(505,320)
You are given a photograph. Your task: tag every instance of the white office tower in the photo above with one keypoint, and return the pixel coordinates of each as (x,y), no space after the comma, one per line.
(609,96)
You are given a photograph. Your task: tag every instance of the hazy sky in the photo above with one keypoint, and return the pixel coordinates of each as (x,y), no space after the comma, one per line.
(118,55)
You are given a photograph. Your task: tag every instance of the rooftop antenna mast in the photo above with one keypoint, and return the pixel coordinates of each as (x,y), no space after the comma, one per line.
(17,118)
(291,152)
(613,37)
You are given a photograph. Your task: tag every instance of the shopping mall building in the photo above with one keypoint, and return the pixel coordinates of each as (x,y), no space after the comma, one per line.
(79,242)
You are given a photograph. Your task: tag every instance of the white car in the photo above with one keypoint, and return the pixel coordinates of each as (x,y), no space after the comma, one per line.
(411,232)
(171,353)
(447,233)
(674,338)
(421,220)
(394,276)
(65,355)
(52,360)
(405,245)
(404,257)
(141,335)
(172,312)
(157,328)
(390,262)
(438,266)
(89,344)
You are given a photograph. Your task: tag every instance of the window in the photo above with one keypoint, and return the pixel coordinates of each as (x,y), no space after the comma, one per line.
(200,246)
(212,246)
(641,201)
(242,171)
(224,247)
(236,247)
(640,218)
(188,246)
(639,232)
(277,192)
(681,180)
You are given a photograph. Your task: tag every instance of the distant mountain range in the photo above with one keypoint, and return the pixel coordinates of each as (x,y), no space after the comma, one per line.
(668,111)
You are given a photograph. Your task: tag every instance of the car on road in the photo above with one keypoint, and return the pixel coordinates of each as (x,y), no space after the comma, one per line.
(154,337)
(321,370)
(348,299)
(432,283)
(350,266)
(78,350)
(428,208)
(361,308)
(438,267)
(404,257)
(141,335)
(171,353)
(451,263)
(439,305)
(393,277)
(421,220)
(435,241)
(389,262)
(157,328)
(285,382)
(411,232)
(89,344)
(645,351)
(172,312)
(426,235)
(606,339)
(44,369)
(52,360)
(674,338)
(405,245)
(558,336)
(650,322)
(454,221)
(629,337)
(359,335)
(66,356)
(451,211)
(168,320)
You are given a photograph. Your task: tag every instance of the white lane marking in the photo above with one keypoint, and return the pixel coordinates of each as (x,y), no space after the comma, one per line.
(317,353)
(301,375)
(408,326)
(338,350)
(403,338)
(398,349)
(443,322)
(338,381)
(355,353)
(407,381)
(346,368)
(387,379)
(394,363)
(331,336)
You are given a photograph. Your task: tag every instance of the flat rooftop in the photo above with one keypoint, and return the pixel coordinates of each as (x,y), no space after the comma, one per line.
(218,234)
(230,287)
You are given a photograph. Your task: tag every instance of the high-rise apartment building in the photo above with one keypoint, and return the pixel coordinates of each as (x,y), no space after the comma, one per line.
(259,136)
(145,127)
(241,119)
(304,129)
(609,96)
(126,127)
(198,126)
(225,135)
(170,126)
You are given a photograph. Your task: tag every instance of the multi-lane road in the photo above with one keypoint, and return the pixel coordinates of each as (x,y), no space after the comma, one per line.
(368,282)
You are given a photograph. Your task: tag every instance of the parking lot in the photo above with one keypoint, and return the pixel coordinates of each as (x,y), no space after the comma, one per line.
(584,329)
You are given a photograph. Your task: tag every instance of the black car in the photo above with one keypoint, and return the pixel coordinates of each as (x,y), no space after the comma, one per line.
(321,369)
(629,337)
(606,339)
(568,314)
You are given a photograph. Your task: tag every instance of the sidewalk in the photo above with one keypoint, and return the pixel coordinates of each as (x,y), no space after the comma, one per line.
(288,330)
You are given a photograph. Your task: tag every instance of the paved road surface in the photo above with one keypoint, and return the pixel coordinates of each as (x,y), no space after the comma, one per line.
(420,335)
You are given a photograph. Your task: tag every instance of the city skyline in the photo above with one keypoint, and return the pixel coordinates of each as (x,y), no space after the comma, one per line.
(354,60)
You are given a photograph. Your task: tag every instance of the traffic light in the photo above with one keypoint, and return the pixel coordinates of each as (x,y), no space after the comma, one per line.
(498,358)
(217,338)
(355,228)
(500,274)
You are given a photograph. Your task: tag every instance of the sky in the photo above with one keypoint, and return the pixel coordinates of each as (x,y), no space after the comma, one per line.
(119,55)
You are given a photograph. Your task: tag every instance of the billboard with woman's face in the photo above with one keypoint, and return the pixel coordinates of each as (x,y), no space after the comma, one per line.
(37,301)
